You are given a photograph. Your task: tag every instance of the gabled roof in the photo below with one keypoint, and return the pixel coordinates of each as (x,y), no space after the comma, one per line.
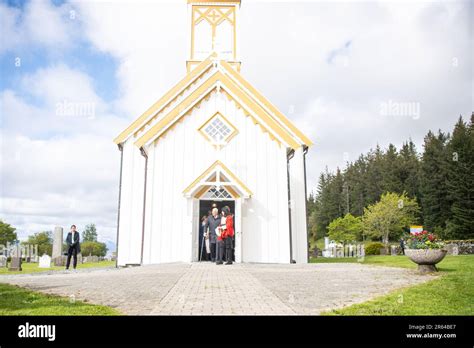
(266,102)
(208,178)
(165,100)
(241,91)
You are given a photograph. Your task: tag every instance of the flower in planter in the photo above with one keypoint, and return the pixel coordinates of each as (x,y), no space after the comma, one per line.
(424,240)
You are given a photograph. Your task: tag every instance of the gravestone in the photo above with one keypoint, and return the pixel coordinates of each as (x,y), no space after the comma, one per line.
(45,261)
(455,250)
(393,250)
(15,264)
(452,249)
(57,242)
(60,261)
(3,261)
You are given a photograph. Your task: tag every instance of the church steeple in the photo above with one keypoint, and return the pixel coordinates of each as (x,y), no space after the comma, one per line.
(213,29)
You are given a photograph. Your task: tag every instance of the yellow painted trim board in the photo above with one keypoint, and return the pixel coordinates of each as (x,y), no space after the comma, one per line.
(168,118)
(235,178)
(262,113)
(226,83)
(209,171)
(267,103)
(162,101)
(202,191)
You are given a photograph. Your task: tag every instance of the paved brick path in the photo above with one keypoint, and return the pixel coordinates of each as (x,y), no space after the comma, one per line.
(205,288)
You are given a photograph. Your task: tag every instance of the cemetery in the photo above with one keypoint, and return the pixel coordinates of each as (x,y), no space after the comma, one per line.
(24,258)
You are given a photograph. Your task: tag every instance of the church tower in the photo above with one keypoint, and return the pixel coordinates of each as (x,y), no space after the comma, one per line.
(213,29)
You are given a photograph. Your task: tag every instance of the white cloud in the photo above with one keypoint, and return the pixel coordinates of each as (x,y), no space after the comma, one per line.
(149,41)
(57,83)
(58,169)
(40,23)
(59,181)
(399,51)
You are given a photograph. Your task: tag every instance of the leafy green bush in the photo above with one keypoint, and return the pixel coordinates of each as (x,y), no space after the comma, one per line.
(93,248)
(345,229)
(373,248)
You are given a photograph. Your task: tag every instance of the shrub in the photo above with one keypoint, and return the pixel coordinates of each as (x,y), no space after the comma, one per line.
(373,248)
(93,248)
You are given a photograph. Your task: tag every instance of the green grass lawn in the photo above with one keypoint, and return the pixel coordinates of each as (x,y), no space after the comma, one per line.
(451,294)
(19,301)
(31,267)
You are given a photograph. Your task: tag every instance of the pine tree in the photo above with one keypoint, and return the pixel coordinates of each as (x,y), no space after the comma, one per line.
(390,166)
(373,179)
(409,170)
(433,183)
(329,202)
(460,183)
(90,233)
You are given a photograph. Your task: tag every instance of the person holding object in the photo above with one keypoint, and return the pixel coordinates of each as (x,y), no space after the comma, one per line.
(72,241)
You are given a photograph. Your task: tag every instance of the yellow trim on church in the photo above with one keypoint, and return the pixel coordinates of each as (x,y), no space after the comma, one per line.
(209,171)
(201,92)
(266,102)
(214,15)
(163,101)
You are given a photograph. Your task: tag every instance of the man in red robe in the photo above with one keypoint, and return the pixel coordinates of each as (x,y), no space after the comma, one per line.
(228,234)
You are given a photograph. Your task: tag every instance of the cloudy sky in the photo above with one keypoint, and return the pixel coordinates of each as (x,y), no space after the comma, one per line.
(350,74)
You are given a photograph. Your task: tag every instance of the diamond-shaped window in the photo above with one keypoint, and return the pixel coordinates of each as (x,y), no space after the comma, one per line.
(217,193)
(218,130)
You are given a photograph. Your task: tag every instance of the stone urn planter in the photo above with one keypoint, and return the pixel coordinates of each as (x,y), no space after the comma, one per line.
(426,259)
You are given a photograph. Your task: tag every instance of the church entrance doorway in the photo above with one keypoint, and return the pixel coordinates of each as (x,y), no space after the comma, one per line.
(205,210)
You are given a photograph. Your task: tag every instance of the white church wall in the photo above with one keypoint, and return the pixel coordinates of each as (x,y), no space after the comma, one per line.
(131,205)
(183,154)
(298,208)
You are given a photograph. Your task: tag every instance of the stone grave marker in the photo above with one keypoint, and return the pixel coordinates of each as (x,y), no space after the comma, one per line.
(15,264)
(3,261)
(45,261)
(57,242)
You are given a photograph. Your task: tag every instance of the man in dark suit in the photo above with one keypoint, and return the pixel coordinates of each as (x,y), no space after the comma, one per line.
(213,221)
(73,246)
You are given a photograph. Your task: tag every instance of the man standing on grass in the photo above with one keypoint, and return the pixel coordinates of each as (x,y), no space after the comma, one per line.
(73,246)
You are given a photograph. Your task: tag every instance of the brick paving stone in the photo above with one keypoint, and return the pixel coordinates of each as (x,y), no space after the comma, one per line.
(209,289)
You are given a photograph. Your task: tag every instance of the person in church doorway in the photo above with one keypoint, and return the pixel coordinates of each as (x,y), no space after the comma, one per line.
(213,221)
(225,239)
(74,247)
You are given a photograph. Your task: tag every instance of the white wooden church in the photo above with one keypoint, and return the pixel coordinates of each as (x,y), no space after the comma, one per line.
(212,138)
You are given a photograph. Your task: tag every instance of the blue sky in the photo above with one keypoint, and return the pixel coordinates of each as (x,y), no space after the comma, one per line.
(330,66)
